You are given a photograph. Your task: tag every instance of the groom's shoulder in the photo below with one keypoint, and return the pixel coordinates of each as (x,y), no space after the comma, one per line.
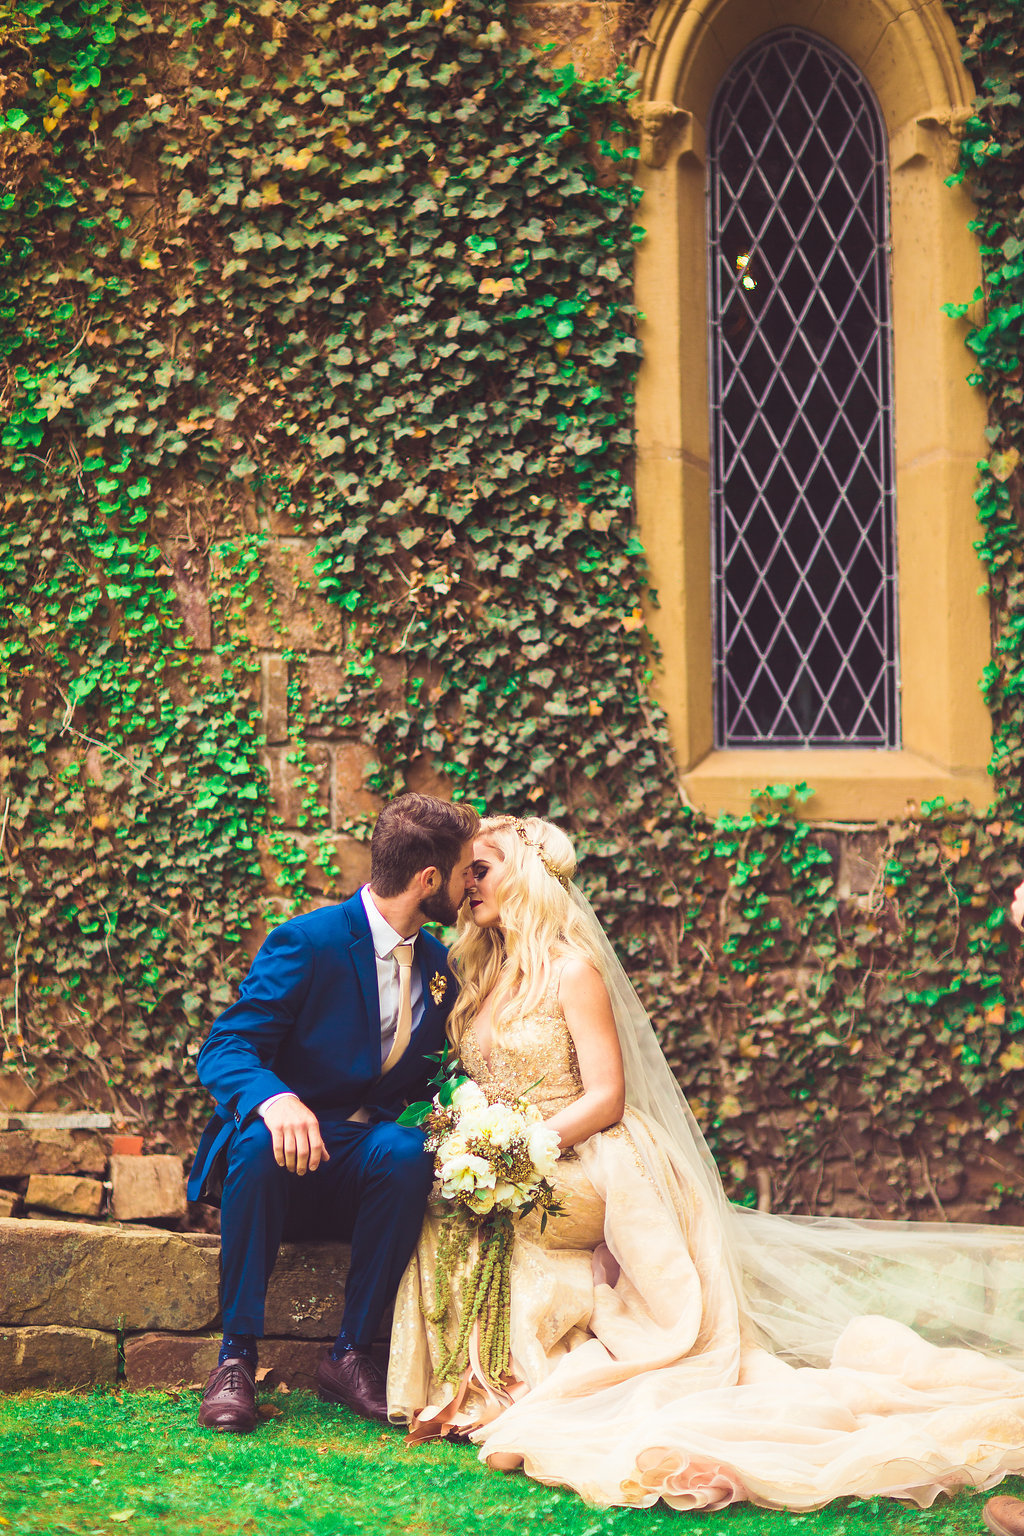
(328,925)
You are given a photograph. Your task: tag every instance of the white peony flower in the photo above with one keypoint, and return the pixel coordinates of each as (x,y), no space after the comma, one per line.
(481,1201)
(505,1195)
(498,1124)
(465,1172)
(468,1097)
(543,1148)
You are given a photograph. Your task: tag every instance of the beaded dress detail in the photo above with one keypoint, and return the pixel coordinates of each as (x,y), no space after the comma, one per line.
(634,1374)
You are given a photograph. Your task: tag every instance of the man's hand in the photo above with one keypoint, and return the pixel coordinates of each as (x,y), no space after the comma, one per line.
(1017,906)
(295,1129)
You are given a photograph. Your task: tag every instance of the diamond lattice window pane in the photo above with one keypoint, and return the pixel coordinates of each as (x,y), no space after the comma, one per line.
(804,538)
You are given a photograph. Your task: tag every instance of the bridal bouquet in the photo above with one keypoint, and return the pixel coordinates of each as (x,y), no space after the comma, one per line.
(494,1160)
(488,1156)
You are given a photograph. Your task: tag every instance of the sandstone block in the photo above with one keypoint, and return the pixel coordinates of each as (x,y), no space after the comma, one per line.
(51,1151)
(423,778)
(182,1360)
(325,676)
(65,1272)
(169,1359)
(307,1290)
(351,796)
(9,1202)
(56,1357)
(274,670)
(351,858)
(70,1120)
(61,1192)
(296,615)
(147,1188)
(285,788)
(190,583)
(15,1093)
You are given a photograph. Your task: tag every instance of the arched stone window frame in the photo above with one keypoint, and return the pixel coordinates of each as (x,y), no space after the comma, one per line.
(911,60)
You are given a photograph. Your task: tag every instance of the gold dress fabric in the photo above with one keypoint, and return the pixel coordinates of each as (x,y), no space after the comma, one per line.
(634,1376)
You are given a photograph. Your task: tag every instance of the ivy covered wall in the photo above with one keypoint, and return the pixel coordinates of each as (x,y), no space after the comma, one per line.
(318,350)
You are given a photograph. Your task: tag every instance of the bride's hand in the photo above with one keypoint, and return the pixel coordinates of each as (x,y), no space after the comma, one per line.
(1017,906)
(298,1145)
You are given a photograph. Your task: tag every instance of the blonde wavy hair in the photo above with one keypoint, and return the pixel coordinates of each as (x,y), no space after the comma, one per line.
(540,924)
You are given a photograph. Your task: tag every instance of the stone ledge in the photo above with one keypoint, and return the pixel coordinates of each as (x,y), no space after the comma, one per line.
(24,1152)
(69,1274)
(183,1360)
(73,1275)
(56,1357)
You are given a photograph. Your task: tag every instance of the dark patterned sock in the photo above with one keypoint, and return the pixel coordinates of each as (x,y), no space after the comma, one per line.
(341,1345)
(240,1346)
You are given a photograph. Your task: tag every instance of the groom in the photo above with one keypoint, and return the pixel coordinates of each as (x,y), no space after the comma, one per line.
(309,1070)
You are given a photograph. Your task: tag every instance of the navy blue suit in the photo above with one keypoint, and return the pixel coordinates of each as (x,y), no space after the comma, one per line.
(307,1021)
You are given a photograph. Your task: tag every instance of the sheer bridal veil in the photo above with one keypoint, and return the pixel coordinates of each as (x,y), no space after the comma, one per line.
(802,1279)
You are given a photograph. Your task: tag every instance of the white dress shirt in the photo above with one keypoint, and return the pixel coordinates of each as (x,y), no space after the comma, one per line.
(384,939)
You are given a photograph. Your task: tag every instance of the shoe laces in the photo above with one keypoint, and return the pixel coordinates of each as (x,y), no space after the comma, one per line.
(235,1372)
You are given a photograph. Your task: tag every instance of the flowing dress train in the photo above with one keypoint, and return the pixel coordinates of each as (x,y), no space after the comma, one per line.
(638,1372)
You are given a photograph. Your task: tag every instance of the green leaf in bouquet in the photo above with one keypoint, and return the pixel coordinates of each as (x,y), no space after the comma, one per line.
(446,1060)
(415,1114)
(447,1090)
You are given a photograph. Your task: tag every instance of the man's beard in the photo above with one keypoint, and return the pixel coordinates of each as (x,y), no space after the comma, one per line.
(439,907)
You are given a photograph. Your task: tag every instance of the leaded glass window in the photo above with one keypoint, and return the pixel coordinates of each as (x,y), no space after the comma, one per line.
(802,450)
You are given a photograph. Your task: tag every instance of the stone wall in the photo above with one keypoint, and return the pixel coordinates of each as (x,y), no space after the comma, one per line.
(91,1305)
(76,1164)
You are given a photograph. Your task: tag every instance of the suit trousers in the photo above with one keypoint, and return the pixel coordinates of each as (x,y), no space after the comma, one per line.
(372,1193)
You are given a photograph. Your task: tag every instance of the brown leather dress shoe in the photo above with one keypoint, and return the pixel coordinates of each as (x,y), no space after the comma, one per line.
(355,1380)
(229,1401)
(1005,1516)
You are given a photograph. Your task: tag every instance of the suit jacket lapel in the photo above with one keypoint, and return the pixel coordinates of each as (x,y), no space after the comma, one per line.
(365,962)
(431,962)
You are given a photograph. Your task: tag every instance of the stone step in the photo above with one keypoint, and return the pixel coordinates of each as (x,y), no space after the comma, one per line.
(73,1277)
(183,1360)
(56,1357)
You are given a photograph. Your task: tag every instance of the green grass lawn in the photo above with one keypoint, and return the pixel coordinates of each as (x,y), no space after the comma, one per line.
(136,1463)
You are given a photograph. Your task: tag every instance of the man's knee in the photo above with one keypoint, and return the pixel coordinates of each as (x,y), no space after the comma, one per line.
(398,1154)
(251,1156)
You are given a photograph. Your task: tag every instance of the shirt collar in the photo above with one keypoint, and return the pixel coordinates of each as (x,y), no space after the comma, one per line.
(381,932)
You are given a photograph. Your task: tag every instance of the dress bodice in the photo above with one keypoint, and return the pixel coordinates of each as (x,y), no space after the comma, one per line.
(532,1057)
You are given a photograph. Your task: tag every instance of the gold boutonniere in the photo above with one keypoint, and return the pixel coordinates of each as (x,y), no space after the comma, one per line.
(438,987)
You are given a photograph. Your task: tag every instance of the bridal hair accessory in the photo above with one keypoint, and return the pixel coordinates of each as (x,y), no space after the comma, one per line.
(438,987)
(530,843)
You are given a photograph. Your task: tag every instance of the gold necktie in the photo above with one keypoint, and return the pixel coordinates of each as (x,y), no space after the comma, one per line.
(403,954)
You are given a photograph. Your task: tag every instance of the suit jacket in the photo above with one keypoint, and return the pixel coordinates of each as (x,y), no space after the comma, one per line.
(307,1021)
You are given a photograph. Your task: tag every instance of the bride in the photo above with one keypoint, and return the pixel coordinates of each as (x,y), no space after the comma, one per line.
(664,1343)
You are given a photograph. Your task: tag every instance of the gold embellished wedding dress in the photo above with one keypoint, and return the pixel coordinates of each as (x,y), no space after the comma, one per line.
(666,1345)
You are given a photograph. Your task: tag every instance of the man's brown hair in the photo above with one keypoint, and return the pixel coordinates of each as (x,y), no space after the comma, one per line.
(413,833)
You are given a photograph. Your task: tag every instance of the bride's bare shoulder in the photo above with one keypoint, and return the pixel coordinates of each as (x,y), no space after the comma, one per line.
(577,976)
